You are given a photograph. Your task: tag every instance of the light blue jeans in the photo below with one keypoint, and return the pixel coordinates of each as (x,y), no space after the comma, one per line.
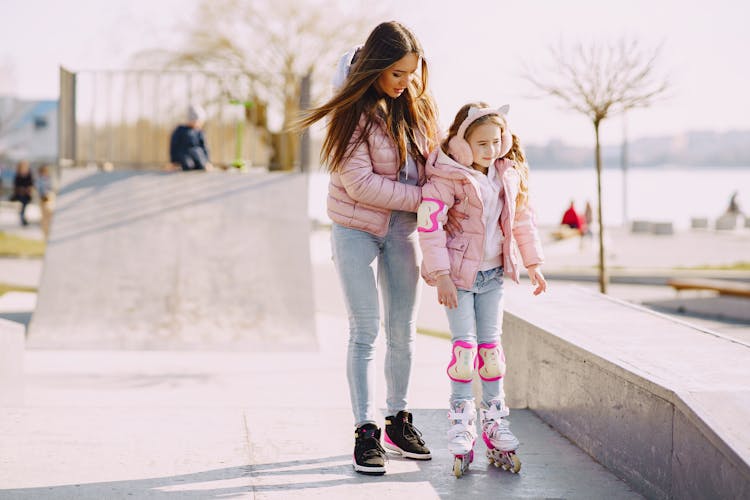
(355,254)
(478,319)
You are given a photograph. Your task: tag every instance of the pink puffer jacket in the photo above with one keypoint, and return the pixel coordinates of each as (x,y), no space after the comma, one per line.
(362,194)
(448,184)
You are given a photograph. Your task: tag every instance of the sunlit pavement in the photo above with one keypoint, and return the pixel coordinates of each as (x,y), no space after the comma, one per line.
(158,424)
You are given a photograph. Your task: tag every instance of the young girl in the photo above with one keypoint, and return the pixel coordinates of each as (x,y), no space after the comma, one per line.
(381,126)
(481,168)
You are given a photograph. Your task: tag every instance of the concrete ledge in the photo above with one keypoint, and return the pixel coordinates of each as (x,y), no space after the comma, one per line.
(662,404)
(641,226)
(664,228)
(699,223)
(12,343)
(730,222)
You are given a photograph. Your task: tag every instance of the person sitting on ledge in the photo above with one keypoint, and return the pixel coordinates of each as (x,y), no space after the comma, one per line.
(187,146)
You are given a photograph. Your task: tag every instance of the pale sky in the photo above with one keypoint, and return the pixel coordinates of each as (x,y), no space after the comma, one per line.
(475,48)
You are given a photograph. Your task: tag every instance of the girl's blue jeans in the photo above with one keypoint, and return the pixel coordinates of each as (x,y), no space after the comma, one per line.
(367,264)
(478,319)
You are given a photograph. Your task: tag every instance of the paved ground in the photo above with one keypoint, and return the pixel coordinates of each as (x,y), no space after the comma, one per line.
(165,424)
(148,424)
(159,424)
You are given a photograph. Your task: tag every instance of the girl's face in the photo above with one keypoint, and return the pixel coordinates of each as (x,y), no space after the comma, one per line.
(394,80)
(484,141)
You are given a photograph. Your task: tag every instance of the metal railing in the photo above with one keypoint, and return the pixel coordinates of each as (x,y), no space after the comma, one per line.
(126,117)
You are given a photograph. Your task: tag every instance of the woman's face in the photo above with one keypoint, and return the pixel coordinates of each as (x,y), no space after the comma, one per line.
(394,80)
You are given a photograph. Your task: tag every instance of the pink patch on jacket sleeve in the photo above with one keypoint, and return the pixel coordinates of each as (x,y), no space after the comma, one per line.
(427,215)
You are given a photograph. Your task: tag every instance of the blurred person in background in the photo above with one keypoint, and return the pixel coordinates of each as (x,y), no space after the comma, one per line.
(23,188)
(45,189)
(588,217)
(187,146)
(734,206)
(573,219)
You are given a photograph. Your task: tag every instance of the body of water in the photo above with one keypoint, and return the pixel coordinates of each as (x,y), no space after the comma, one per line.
(669,194)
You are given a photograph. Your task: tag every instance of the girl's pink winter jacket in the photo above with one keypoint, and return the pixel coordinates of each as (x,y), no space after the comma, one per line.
(449,183)
(362,194)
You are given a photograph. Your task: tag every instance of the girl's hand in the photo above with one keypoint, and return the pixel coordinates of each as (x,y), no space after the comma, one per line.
(537,279)
(453,225)
(447,294)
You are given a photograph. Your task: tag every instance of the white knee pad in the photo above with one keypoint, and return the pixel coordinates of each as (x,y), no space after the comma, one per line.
(463,362)
(491,361)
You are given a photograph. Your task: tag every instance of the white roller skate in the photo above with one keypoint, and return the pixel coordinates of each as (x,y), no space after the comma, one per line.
(501,443)
(462,435)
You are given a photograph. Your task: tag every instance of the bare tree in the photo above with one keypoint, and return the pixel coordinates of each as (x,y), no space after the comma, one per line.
(11,110)
(601,81)
(274,44)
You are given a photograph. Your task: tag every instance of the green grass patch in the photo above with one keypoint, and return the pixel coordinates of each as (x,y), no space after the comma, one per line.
(16,246)
(737,266)
(434,333)
(5,288)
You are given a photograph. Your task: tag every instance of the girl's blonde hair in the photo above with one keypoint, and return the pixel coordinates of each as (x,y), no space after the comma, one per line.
(517,155)
(410,115)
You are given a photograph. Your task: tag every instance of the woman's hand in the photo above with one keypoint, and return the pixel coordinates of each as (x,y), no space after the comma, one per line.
(447,294)
(537,279)
(453,225)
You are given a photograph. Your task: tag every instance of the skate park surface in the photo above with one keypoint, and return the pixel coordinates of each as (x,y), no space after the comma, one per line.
(247,413)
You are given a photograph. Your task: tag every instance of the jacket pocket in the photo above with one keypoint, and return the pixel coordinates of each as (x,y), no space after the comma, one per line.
(456,250)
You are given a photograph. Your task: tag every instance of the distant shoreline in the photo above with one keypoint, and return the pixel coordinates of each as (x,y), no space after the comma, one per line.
(610,166)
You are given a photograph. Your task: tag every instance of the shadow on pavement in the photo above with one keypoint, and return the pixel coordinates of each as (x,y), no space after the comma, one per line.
(552,468)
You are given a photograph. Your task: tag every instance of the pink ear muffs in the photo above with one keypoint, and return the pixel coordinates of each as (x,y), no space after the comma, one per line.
(459,148)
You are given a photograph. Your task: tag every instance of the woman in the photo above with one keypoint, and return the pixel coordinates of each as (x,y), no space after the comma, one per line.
(381,126)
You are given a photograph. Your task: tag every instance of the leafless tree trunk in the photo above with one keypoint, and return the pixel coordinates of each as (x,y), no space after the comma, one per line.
(603,278)
(599,82)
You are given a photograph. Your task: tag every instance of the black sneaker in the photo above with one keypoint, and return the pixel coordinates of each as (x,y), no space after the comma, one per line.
(402,437)
(369,455)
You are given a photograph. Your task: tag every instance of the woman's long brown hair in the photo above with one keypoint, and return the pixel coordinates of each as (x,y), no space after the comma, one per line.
(410,115)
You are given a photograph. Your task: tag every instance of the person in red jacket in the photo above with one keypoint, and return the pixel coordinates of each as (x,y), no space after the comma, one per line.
(573,219)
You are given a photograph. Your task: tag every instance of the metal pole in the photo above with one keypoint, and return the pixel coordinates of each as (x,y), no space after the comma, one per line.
(108,127)
(66,120)
(304,142)
(139,126)
(124,155)
(92,124)
(624,165)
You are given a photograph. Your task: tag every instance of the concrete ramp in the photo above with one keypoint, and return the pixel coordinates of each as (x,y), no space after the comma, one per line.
(144,260)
